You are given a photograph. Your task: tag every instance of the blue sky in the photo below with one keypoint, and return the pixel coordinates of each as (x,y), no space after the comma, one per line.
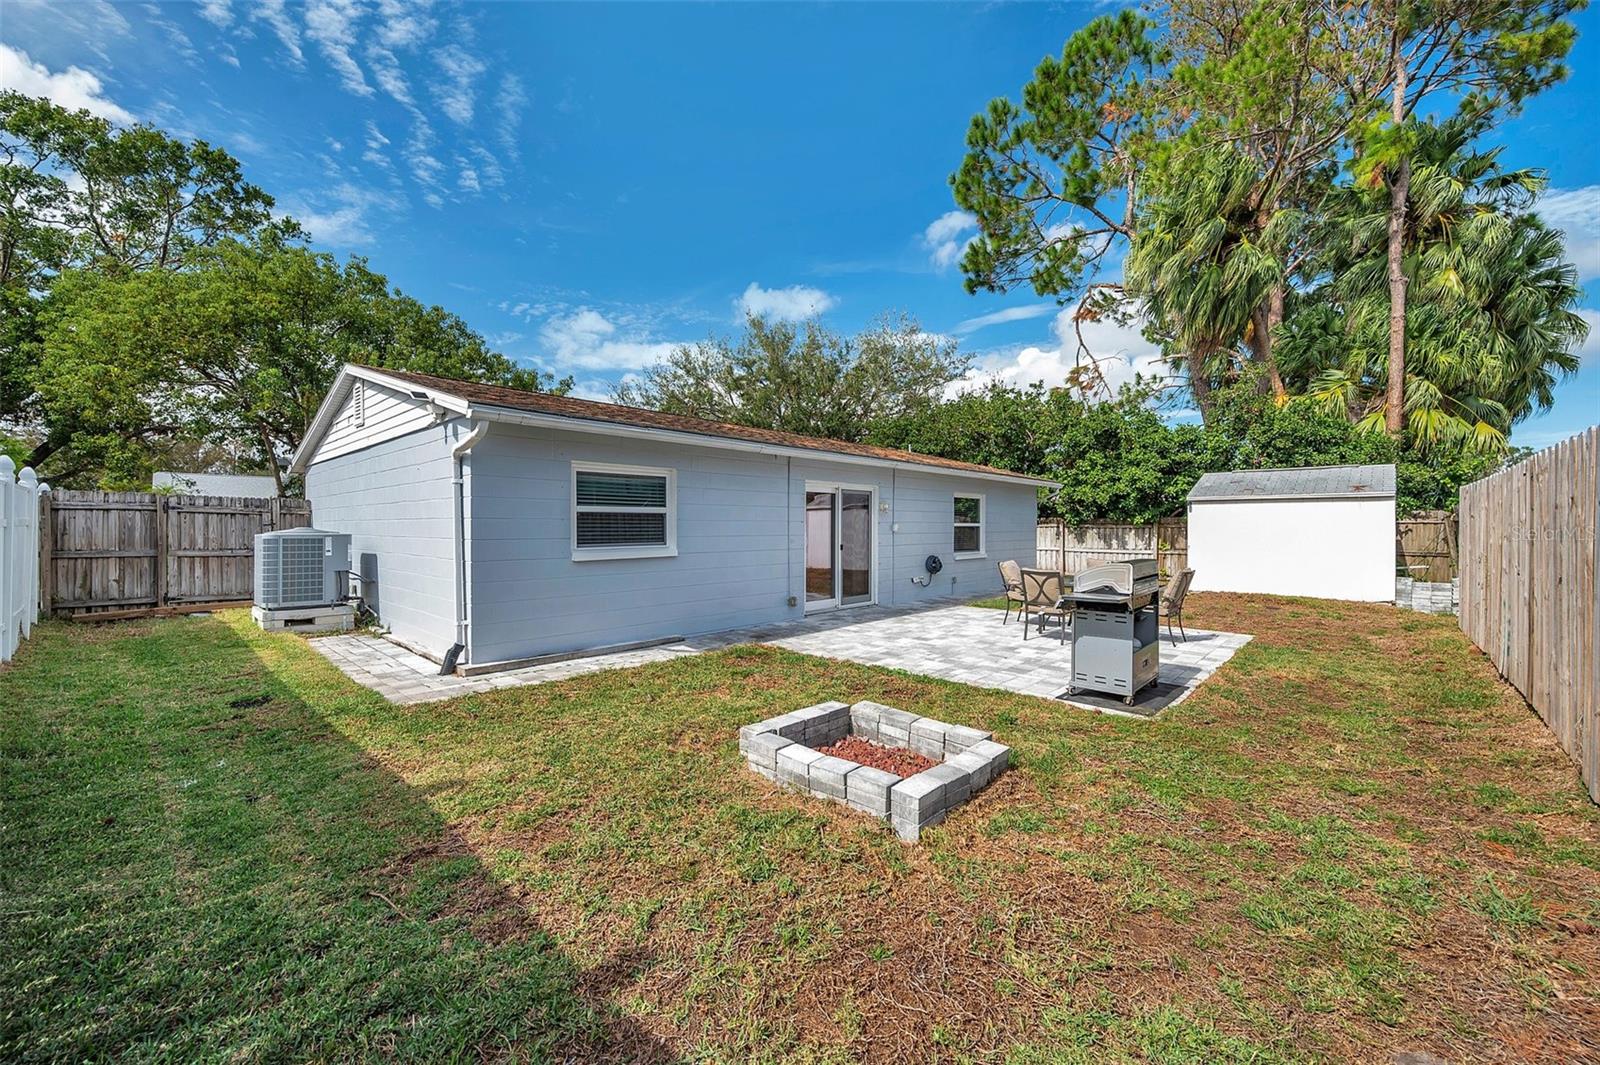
(589,184)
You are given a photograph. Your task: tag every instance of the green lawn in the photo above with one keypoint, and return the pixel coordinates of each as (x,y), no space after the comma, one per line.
(1353,841)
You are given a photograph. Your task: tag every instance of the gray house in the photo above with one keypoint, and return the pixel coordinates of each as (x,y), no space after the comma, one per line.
(493,526)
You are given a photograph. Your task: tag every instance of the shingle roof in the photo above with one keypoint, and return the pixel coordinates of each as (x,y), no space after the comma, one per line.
(1323,482)
(567,407)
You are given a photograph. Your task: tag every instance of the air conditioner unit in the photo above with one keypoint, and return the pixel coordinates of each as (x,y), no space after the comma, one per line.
(301,567)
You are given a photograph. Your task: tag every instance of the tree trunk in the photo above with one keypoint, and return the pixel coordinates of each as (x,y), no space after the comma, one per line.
(272,460)
(1266,318)
(1394,410)
(1199,383)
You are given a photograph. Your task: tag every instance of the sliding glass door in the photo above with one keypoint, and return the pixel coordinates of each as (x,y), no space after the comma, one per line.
(839,547)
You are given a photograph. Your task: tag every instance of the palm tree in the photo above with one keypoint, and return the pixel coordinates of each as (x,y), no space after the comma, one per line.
(1490,324)
(1203,260)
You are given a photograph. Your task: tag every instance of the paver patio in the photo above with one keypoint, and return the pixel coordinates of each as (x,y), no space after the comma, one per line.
(949,641)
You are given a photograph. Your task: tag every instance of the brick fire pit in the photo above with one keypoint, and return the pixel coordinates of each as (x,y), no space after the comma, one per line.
(784,750)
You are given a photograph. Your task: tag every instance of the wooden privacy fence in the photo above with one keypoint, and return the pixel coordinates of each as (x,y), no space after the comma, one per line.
(1070,548)
(1426,544)
(121,552)
(19,555)
(1529,582)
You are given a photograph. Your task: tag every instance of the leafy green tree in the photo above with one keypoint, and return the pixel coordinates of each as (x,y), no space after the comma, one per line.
(1118,461)
(802,378)
(1489,56)
(237,349)
(1491,321)
(1007,428)
(1053,182)
(79,193)
(1205,261)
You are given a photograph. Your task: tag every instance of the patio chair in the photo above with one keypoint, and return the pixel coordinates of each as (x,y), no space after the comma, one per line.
(1042,589)
(1172,600)
(1011,578)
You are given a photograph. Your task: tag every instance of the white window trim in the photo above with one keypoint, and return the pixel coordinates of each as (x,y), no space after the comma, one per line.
(981,523)
(601,554)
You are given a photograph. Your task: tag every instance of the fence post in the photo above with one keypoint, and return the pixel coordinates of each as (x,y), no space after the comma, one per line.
(8,536)
(47,548)
(27,550)
(158,579)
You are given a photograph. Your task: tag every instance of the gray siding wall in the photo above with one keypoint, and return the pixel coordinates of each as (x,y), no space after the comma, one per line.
(740,535)
(395,500)
(925,511)
(529,597)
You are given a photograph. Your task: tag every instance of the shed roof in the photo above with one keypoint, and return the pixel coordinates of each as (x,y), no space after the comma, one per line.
(1303,482)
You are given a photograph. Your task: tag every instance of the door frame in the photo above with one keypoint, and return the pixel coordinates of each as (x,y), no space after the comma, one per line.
(838,488)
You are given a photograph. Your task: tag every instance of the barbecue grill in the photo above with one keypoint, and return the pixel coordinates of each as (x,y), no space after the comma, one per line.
(1115,627)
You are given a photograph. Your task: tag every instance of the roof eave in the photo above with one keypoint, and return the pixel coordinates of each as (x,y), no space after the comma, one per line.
(1291,495)
(512,415)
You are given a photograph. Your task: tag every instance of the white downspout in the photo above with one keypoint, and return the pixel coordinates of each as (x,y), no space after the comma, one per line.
(458,489)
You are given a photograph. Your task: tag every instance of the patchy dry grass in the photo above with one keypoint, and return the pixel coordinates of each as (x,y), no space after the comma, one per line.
(1353,840)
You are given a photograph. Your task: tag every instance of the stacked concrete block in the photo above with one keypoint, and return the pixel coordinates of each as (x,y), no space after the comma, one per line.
(868,790)
(916,803)
(828,776)
(927,737)
(761,751)
(784,749)
(982,762)
(894,727)
(794,764)
(957,738)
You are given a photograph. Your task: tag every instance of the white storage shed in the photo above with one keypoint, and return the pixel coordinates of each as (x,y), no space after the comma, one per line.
(1322,531)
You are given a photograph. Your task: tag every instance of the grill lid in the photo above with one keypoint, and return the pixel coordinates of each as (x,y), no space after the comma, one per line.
(1119,578)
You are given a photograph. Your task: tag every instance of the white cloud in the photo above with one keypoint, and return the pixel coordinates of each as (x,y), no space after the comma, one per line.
(1576,212)
(1009,314)
(332,24)
(786,304)
(508,104)
(342,216)
(1591,344)
(944,240)
(1121,350)
(488,167)
(375,143)
(588,340)
(467,177)
(217,12)
(276,15)
(181,44)
(389,75)
(456,93)
(597,388)
(402,25)
(425,166)
(73,88)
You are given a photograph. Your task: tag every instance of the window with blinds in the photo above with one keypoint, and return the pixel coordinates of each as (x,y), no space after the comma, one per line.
(622,512)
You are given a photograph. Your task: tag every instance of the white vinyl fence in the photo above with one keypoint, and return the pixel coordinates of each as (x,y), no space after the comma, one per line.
(19,555)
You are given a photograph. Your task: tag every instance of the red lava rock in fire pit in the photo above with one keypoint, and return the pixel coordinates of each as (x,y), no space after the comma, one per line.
(896,760)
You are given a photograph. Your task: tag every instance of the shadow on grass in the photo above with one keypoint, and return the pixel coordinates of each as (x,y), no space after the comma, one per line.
(195,862)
